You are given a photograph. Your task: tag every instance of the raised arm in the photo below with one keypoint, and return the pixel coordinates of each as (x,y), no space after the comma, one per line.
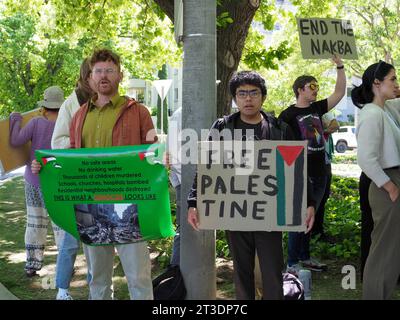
(340,87)
(18,136)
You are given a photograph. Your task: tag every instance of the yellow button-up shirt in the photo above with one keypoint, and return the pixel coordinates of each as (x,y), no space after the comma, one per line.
(99,123)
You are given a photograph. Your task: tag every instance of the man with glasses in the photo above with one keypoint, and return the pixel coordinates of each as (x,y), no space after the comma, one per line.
(109,119)
(251,123)
(304,118)
(113,120)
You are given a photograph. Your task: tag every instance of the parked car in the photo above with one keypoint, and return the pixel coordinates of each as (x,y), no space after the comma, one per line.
(345,138)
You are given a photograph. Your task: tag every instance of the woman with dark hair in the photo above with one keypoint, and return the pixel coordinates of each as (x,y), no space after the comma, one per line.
(378,137)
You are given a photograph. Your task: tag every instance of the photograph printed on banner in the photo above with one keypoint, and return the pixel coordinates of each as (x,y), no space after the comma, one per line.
(107,223)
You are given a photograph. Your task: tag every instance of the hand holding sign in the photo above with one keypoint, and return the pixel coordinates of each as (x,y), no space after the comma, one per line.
(193,218)
(310,218)
(35,166)
(337,60)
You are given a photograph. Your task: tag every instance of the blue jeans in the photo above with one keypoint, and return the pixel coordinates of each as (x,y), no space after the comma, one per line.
(65,261)
(175,257)
(299,242)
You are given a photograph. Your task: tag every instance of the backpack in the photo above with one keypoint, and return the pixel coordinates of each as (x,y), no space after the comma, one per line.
(292,287)
(169,285)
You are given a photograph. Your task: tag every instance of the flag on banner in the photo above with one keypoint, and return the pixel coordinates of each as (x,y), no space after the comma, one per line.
(290,162)
(45,160)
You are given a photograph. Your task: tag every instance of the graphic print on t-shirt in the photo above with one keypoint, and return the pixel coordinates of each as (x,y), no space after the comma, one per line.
(311,130)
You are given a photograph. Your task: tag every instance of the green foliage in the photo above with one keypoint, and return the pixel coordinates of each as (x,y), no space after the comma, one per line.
(344,159)
(264,58)
(221,245)
(162,74)
(163,248)
(42,43)
(223,20)
(267,14)
(316,8)
(28,66)
(153,111)
(256,54)
(342,221)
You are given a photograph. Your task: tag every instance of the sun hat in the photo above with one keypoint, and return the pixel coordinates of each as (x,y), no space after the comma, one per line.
(53,98)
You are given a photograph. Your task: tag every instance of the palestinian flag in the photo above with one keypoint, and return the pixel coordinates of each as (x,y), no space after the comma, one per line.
(48,159)
(143,155)
(290,162)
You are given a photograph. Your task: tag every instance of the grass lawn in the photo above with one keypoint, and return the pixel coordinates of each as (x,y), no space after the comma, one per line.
(326,285)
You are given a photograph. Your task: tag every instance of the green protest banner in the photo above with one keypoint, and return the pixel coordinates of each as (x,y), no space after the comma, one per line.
(110,195)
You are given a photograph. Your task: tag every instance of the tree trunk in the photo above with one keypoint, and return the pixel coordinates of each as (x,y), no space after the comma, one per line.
(230,43)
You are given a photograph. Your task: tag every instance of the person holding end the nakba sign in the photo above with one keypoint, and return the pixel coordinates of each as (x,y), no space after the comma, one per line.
(305,119)
(250,124)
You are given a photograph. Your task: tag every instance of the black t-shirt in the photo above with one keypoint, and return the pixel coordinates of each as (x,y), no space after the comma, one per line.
(255,132)
(306,124)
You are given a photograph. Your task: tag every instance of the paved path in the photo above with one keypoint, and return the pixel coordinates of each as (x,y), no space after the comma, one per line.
(8,176)
(5,294)
(346,170)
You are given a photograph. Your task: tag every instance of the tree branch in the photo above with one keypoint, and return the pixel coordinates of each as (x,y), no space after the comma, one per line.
(146,7)
(359,13)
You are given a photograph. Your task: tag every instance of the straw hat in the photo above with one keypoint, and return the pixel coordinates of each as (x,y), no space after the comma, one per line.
(53,98)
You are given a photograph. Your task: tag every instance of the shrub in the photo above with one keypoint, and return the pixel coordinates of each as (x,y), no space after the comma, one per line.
(342,221)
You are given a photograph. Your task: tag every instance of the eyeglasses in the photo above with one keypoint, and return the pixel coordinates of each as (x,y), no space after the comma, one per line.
(313,86)
(377,68)
(99,71)
(242,94)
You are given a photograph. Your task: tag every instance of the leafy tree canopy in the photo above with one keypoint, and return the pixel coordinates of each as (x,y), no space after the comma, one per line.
(42,43)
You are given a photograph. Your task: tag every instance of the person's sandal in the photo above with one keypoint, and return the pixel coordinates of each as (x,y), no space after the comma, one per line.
(30,273)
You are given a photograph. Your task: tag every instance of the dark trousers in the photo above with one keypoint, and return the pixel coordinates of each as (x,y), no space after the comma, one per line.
(299,242)
(243,246)
(318,227)
(367,223)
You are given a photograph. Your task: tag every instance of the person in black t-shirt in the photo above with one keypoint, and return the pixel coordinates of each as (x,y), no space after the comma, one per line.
(250,123)
(304,118)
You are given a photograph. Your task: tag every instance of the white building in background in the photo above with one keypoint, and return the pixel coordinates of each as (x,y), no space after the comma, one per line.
(144,92)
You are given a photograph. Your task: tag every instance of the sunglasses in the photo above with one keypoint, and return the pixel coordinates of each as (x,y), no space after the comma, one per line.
(313,86)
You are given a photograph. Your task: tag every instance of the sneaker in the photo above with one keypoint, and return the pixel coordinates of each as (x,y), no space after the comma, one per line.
(313,264)
(294,269)
(65,296)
